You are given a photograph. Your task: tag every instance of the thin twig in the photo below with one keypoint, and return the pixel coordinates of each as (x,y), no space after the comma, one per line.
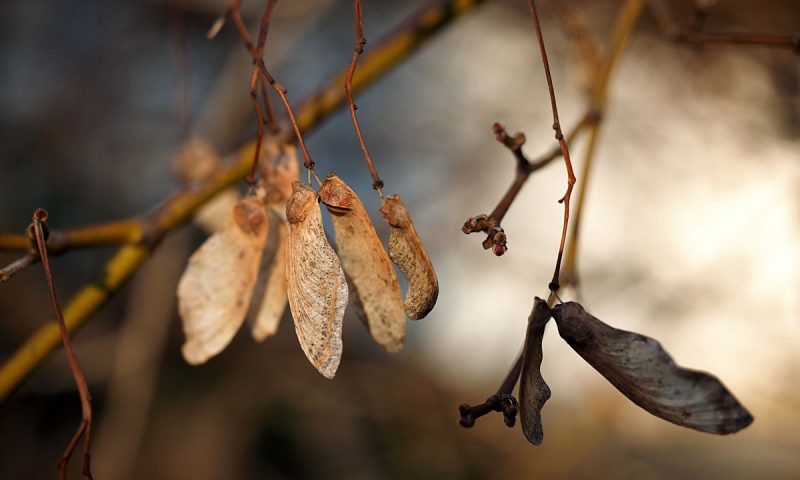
(503,400)
(526,167)
(578,32)
(562,142)
(626,21)
(256,53)
(85,427)
(17,266)
(360,43)
(490,224)
(662,11)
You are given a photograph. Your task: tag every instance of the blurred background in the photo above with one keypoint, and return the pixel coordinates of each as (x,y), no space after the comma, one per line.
(690,235)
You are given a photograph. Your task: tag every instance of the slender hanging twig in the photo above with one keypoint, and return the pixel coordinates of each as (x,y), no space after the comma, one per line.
(554,286)
(85,427)
(377,183)
(256,52)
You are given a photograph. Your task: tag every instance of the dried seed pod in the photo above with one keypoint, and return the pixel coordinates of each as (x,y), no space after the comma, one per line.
(196,159)
(640,368)
(270,293)
(533,391)
(316,285)
(367,264)
(408,253)
(215,289)
(215,214)
(280,168)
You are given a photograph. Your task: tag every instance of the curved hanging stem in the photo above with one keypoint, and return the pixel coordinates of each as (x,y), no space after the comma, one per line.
(554,285)
(377,183)
(85,428)
(261,74)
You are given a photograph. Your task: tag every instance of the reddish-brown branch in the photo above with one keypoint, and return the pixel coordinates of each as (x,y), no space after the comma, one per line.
(254,83)
(693,35)
(85,427)
(256,52)
(490,224)
(360,42)
(560,137)
(502,401)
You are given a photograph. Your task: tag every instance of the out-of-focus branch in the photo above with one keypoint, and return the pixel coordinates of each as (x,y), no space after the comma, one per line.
(573,22)
(694,35)
(626,21)
(147,230)
(59,241)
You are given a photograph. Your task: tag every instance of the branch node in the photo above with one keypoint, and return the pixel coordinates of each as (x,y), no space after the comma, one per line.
(513,143)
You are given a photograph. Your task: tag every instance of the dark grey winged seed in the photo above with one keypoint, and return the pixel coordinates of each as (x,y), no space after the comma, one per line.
(533,391)
(640,368)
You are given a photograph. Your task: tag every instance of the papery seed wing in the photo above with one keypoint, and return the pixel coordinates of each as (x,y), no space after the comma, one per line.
(533,391)
(640,368)
(408,253)
(269,298)
(215,214)
(215,289)
(196,160)
(366,263)
(317,288)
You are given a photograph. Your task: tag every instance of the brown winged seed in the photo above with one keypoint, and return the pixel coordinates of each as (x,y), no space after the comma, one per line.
(533,391)
(280,169)
(647,375)
(215,289)
(367,264)
(408,253)
(269,297)
(316,284)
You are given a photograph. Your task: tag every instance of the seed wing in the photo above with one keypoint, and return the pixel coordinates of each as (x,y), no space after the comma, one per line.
(215,289)
(408,253)
(645,373)
(533,390)
(366,263)
(270,292)
(317,288)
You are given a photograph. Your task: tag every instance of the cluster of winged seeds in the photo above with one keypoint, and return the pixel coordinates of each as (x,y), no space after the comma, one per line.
(271,247)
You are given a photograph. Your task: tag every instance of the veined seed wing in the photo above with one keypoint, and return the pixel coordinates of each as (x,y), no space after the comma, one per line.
(640,368)
(215,289)
(408,253)
(533,390)
(270,297)
(366,264)
(316,284)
